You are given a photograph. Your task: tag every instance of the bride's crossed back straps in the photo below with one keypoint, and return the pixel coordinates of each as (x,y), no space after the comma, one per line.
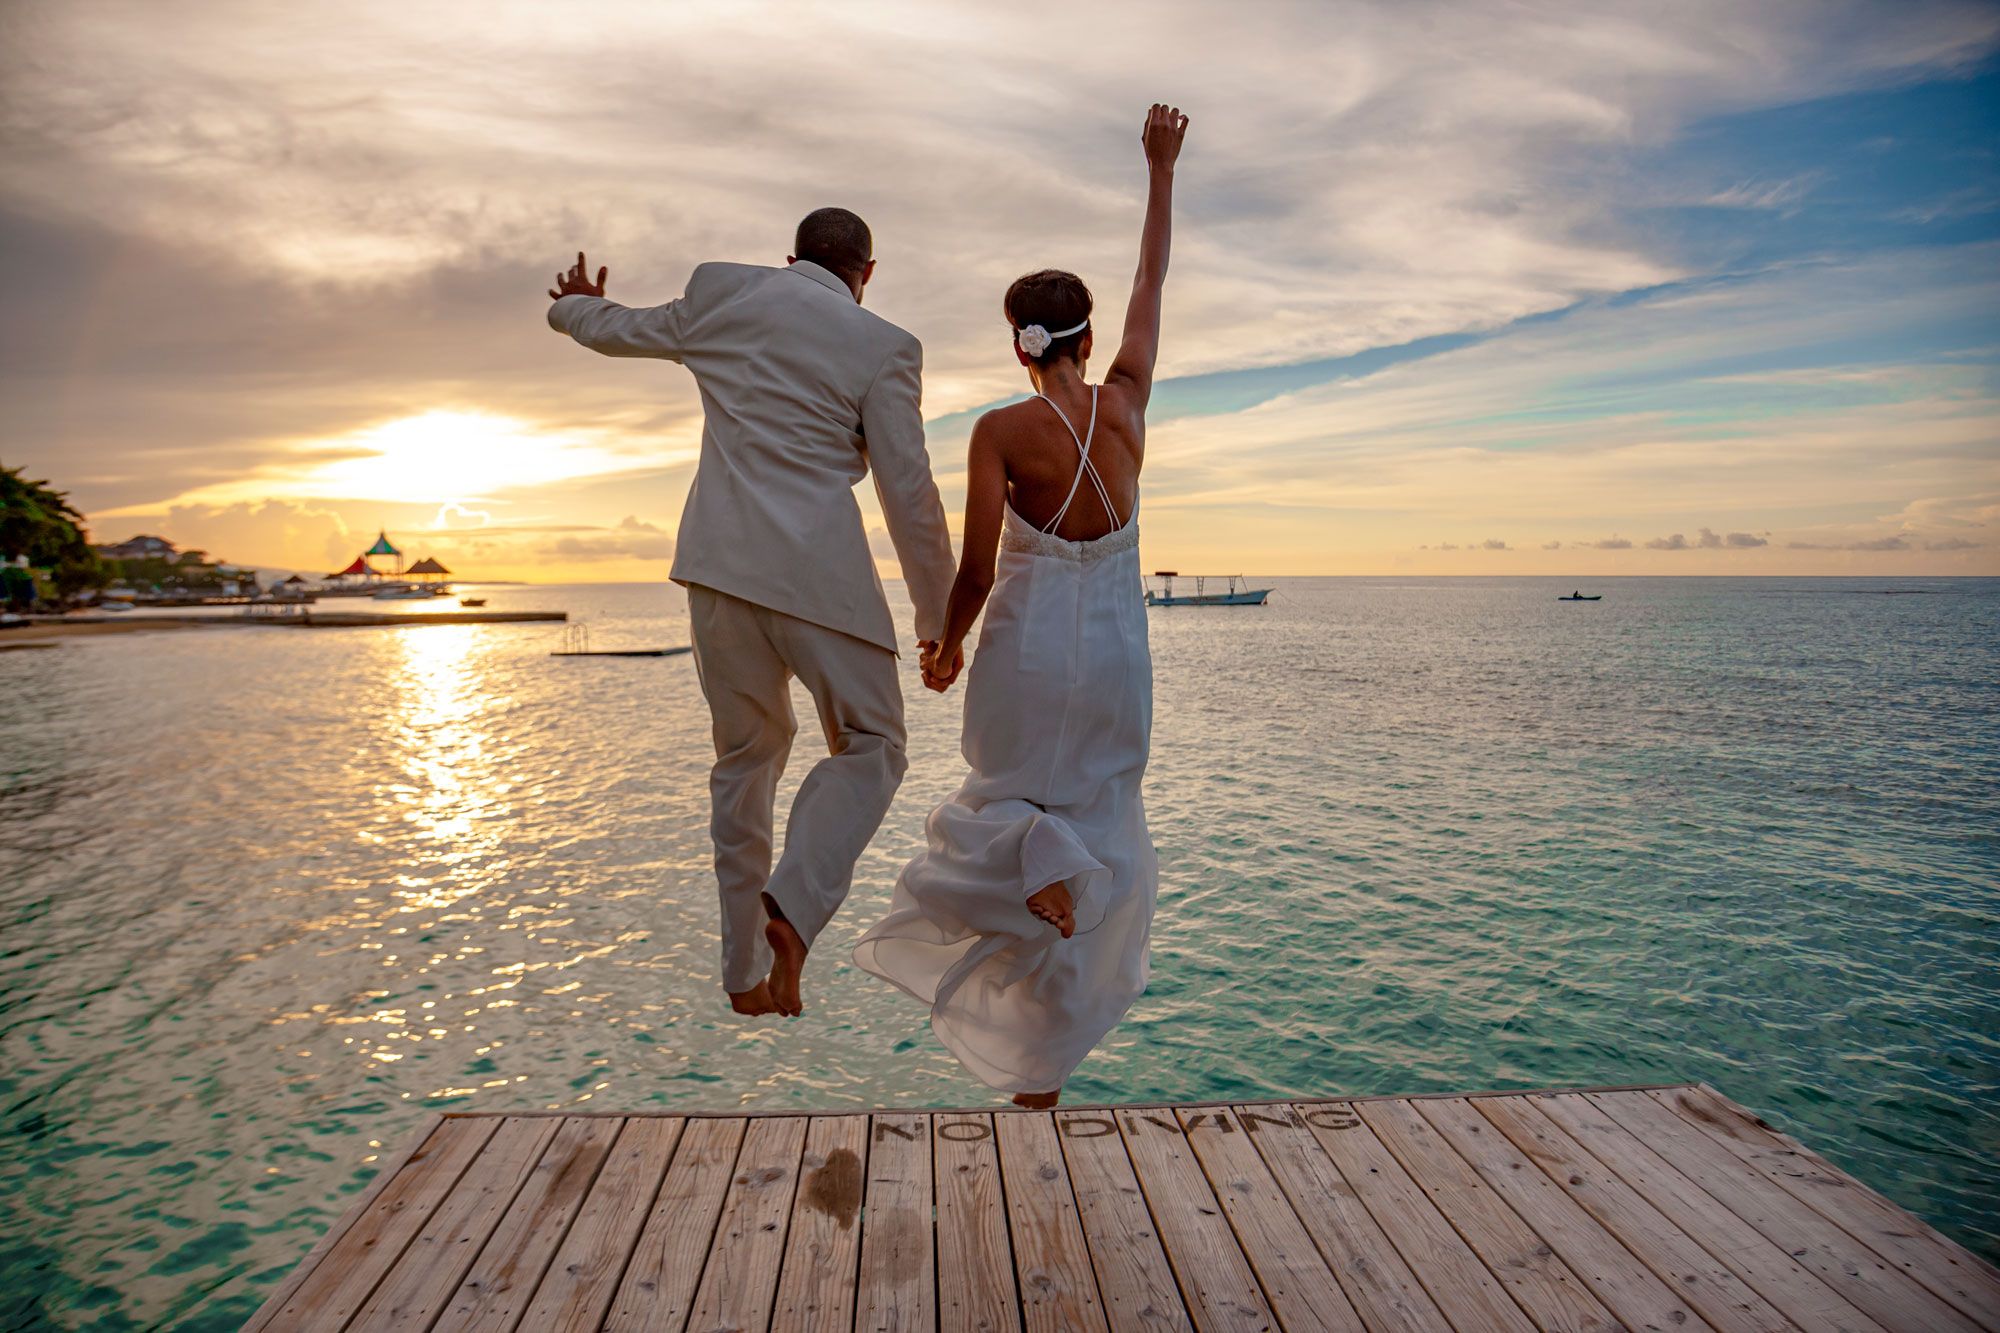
(1084,466)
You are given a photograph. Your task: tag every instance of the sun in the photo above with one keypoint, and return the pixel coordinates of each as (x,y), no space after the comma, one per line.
(433,458)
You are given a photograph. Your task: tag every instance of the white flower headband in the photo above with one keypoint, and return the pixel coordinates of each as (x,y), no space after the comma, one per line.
(1035,339)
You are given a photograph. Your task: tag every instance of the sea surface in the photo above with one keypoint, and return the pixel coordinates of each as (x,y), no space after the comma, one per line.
(267,896)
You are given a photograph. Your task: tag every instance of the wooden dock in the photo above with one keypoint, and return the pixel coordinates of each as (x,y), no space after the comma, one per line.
(352,619)
(1665,1208)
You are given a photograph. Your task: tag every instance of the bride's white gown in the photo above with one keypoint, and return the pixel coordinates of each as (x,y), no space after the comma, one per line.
(1058,720)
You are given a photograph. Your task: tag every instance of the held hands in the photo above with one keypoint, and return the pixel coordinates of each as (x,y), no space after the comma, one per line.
(939,670)
(1162,135)
(577,281)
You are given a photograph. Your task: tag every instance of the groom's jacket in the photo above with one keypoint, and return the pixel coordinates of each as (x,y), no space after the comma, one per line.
(804,392)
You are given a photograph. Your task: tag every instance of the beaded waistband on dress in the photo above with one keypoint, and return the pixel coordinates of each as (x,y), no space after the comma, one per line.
(1016,534)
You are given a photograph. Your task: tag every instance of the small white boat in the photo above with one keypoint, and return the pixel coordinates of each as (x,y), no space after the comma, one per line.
(410,594)
(1233,595)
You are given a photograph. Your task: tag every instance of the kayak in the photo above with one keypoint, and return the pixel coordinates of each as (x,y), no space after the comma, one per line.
(1574,597)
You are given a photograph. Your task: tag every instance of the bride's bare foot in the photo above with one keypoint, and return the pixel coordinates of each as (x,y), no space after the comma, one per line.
(789,961)
(1036,1101)
(1054,906)
(756,1000)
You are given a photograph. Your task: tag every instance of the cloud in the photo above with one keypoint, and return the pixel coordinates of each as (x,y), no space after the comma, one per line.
(1611,544)
(1552,546)
(1779,194)
(247,232)
(1951,544)
(272,534)
(454,515)
(1898,542)
(1706,539)
(1493,544)
(630,540)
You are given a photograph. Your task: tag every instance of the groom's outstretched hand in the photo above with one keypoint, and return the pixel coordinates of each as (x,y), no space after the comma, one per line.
(577,281)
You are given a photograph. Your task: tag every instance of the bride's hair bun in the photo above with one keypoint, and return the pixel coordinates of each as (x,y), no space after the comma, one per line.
(1050,312)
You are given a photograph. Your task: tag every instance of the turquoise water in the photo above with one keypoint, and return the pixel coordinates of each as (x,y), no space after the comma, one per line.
(270,895)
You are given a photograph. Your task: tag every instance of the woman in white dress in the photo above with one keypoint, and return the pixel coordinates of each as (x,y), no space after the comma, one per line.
(1024,924)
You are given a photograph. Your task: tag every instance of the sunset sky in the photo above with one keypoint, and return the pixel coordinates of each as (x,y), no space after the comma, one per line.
(1458,287)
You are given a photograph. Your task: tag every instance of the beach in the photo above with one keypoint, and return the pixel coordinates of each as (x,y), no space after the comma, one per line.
(48,633)
(276,897)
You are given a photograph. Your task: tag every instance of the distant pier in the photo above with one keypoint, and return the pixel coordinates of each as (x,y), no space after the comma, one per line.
(1641,1208)
(346,619)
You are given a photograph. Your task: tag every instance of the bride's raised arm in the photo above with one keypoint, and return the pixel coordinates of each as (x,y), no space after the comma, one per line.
(1140,347)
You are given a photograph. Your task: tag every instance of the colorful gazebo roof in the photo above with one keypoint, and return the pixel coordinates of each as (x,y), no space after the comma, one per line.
(381,546)
(427,565)
(360,566)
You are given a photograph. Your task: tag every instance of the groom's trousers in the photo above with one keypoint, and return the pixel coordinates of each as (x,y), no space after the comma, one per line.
(746,656)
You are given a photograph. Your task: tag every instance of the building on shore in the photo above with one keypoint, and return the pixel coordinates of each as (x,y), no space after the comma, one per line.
(363,578)
(141,547)
(146,568)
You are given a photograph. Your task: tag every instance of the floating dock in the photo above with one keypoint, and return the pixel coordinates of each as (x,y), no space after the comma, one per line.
(1636,1208)
(621,652)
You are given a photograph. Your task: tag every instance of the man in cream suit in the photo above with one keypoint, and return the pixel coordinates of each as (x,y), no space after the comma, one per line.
(804,393)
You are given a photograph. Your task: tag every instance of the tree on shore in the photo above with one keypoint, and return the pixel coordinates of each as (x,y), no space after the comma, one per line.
(39,522)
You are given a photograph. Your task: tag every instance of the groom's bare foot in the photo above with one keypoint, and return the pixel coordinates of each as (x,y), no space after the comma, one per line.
(1053,905)
(1036,1101)
(788,961)
(756,1000)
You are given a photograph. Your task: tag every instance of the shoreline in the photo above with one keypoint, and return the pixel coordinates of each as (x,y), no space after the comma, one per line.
(51,633)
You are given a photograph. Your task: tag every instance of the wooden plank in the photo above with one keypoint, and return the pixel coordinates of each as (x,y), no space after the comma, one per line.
(1058,1287)
(659,1283)
(1723,1298)
(1302,1291)
(1870,1282)
(1440,1214)
(391,1166)
(1773,1274)
(1941,1264)
(1135,1284)
(431,1267)
(1215,1279)
(1627,1287)
(823,1246)
(742,1272)
(583,1277)
(1865,1277)
(1384,1291)
(975,1263)
(337,1286)
(502,1280)
(898,1281)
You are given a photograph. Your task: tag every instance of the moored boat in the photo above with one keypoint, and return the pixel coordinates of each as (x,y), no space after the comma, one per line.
(1237,591)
